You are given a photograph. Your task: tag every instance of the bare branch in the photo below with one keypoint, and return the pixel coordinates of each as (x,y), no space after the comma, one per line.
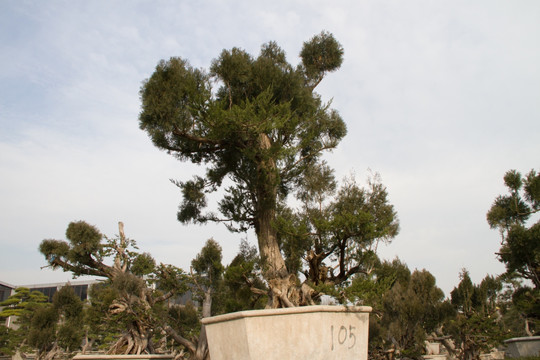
(180,339)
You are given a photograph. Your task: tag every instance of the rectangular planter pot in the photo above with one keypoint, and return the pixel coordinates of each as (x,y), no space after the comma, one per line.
(308,332)
(523,346)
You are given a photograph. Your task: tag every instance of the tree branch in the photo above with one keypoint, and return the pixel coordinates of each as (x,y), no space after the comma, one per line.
(87,270)
(165,297)
(198,139)
(180,339)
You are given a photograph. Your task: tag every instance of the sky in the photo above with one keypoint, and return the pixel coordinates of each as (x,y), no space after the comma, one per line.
(440,98)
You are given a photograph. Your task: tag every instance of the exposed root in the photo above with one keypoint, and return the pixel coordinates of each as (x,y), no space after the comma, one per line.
(285,292)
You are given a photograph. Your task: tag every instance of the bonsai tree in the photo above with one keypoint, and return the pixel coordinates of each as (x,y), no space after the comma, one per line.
(336,232)
(407,308)
(134,304)
(476,327)
(243,287)
(208,273)
(512,215)
(57,328)
(520,250)
(412,311)
(20,306)
(261,129)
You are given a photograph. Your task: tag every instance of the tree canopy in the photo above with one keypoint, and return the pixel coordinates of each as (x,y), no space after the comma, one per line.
(336,230)
(261,129)
(476,326)
(520,250)
(512,214)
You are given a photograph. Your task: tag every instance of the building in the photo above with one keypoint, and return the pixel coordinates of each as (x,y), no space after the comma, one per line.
(6,290)
(80,287)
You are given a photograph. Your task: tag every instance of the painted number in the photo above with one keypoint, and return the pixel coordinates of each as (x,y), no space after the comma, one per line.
(343,336)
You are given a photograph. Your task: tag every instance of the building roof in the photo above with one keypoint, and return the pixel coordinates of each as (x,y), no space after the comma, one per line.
(60,284)
(8,285)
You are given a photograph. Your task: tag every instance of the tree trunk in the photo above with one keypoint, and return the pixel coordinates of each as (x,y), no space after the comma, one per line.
(49,355)
(527,328)
(445,341)
(202,352)
(197,351)
(275,270)
(207,303)
(136,340)
(268,245)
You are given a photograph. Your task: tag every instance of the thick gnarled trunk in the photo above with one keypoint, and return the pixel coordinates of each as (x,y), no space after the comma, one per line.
(284,289)
(269,247)
(135,340)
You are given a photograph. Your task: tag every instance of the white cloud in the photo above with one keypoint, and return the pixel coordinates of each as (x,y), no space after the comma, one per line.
(440,98)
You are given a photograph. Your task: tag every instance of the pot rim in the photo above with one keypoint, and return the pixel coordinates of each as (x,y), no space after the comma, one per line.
(286,311)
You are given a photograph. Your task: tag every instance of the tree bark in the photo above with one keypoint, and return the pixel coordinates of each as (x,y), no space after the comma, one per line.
(275,270)
(202,352)
(268,245)
(207,304)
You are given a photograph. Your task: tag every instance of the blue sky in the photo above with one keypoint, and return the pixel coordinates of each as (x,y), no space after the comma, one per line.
(440,97)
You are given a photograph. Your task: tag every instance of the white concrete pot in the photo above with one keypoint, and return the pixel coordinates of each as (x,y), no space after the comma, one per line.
(523,346)
(308,332)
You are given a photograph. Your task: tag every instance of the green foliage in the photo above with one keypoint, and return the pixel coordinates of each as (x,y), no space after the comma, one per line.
(520,251)
(184,320)
(261,129)
(143,264)
(42,331)
(80,254)
(207,263)
(126,307)
(337,229)
(369,289)
(169,278)
(406,307)
(413,310)
(476,327)
(22,303)
(59,324)
(240,277)
(103,327)
(526,302)
(8,341)
(70,310)
(320,55)
(208,275)
(511,214)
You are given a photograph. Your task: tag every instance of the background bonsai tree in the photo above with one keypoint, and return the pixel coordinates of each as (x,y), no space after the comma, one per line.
(261,129)
(412,311)
(20,308)
(243,286)
(58,327)
(408,308)
(208,274)
(512,215)
(49,329)
(477,326)
(336,232)
(133,304)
